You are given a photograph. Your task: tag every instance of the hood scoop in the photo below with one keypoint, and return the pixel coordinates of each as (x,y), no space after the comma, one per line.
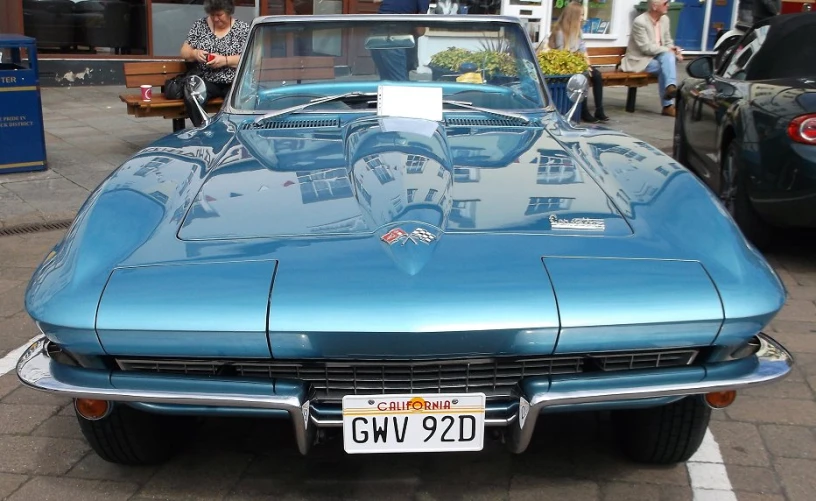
(403,174)
(292,124)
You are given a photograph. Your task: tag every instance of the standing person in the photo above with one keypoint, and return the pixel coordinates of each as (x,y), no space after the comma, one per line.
(651,49)
(567,35)
(215,43)
(394,64)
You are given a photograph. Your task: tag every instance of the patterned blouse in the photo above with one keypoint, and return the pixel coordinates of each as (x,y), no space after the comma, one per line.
(201,37)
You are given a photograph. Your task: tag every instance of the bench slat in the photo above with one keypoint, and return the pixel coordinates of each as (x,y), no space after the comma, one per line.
(151,73)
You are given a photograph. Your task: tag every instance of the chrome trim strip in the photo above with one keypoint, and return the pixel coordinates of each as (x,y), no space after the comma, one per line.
(773,362)
(34,370)
(338,423)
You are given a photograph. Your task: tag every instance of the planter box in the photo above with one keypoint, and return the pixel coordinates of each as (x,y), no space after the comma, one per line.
(557,85)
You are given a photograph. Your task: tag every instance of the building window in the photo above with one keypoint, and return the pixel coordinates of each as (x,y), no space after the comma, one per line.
(431,194)
(597,15)
(542,205)
(466,175)
(415,164)
(172,20)
(410,195)
(67,27)
(463,213)
(379,169)
(330,184)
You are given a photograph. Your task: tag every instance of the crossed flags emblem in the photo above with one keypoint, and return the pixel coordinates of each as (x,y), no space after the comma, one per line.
(416,236)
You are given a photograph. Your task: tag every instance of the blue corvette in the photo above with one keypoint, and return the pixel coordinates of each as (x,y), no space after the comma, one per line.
(406,254)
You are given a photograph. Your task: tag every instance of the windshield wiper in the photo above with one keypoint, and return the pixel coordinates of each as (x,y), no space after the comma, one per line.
(319,100)
(469,106)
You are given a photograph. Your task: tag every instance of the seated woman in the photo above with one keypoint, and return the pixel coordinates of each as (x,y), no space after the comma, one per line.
(215,43)
(566,35)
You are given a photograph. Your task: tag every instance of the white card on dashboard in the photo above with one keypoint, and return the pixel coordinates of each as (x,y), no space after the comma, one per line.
(409,102)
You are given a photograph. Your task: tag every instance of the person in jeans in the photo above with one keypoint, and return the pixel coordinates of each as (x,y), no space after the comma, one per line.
(567,35)
(652,50)
(395,64)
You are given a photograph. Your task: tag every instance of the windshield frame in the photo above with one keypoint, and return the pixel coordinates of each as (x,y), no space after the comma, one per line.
(504,21)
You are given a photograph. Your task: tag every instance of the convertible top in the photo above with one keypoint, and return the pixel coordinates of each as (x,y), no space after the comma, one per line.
(788,51)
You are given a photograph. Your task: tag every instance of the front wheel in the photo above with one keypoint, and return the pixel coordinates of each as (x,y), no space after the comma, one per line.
(734,195)
(663,435)
(132,437)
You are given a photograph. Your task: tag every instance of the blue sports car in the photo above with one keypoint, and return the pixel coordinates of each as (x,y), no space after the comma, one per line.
(389,232)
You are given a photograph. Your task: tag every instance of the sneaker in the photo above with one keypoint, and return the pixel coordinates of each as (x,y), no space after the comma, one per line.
(669,111)
(671,92)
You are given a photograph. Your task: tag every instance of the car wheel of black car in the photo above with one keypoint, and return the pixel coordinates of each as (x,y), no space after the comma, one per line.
(132,437)
(679,151)
(663,435)
(734,196)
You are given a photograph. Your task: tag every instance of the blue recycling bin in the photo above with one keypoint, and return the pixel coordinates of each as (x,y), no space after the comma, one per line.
(22,136)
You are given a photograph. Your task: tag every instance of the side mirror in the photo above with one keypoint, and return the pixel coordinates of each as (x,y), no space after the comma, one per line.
(577,87)
(197,90)
(702,67)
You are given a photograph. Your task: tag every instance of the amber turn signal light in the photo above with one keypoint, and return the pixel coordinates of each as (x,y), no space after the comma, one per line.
(92,409)
(720,399)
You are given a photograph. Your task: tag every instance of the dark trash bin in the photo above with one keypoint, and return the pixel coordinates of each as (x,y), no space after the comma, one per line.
(22,137)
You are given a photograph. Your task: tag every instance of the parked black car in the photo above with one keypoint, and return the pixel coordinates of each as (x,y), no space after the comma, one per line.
(748,127)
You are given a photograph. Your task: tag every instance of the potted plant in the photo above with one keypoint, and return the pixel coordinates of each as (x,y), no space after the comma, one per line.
(558,66)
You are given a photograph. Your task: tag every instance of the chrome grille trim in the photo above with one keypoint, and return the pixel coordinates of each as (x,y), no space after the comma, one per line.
(496,377)
(608,362)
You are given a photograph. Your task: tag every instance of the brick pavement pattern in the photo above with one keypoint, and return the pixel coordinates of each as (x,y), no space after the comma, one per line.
(767,438)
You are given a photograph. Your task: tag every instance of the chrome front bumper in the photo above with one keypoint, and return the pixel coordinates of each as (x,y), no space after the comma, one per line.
(37,370)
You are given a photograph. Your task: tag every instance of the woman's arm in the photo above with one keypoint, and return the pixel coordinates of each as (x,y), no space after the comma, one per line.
(190,54)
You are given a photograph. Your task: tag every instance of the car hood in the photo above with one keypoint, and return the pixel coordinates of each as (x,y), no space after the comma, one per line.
(302,179)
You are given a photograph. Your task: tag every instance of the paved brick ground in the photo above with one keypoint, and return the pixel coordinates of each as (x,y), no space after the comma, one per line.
(767,438)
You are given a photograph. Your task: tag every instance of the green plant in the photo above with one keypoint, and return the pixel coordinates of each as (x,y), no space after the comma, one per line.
(451,58)
(495,62)
(561,62)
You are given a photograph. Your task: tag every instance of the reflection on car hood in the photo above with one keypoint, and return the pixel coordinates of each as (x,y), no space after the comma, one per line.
(374,172)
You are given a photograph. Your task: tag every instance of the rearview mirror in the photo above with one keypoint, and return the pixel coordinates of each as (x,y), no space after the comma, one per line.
(702,67)
(377,42)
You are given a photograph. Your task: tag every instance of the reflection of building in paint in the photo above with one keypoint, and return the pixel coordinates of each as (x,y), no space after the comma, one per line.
(463,213)
(329,184)
(545,205)
(390,183)
(466,175)
(556,167)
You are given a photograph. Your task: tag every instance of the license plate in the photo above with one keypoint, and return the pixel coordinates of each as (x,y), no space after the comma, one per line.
(413,423)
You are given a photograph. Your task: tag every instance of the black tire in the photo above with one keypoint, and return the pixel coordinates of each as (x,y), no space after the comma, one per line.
(132,437)
(679,147)
(663,435)
(734,195)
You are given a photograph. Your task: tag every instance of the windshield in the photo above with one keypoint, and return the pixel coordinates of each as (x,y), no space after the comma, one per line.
(488,64)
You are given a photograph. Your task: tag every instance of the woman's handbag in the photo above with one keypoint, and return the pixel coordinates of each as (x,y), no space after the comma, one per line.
(174,87)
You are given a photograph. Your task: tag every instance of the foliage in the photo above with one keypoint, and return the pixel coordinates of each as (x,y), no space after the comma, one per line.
(561,62)
(493,62)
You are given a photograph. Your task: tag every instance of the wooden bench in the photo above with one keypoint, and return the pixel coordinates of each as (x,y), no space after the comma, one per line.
(156,73)
(611,57)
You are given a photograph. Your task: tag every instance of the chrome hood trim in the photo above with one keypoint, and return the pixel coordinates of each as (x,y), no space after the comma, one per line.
(36,370)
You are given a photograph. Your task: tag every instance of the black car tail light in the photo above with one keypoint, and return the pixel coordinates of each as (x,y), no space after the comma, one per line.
(802,129)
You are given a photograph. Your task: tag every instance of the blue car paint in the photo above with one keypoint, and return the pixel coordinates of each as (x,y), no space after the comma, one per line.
(360,301)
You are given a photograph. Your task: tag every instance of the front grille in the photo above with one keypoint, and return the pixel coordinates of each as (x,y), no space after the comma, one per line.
(496,377)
